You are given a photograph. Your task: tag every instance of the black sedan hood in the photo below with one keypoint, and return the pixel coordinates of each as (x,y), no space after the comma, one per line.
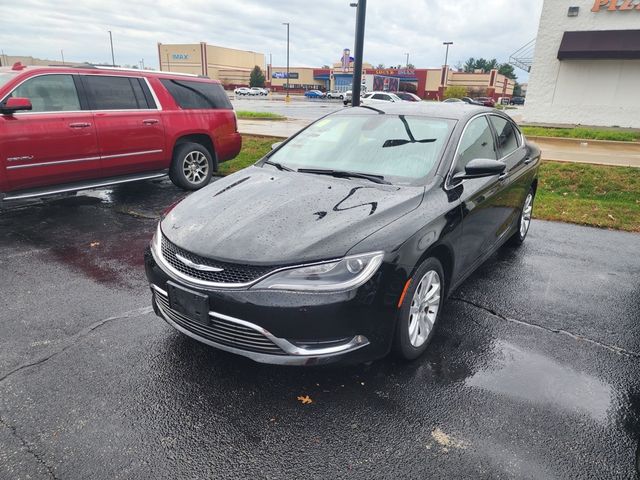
(264,216)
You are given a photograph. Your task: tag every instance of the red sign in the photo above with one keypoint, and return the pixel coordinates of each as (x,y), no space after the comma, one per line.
(615,5)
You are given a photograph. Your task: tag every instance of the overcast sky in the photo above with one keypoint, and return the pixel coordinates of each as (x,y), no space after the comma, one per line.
(478,28)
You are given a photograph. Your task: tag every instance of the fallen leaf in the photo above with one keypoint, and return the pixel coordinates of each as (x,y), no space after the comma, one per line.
(611,217)
(94,244)
(306,400)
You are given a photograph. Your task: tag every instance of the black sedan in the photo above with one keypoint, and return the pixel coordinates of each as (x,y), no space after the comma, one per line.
(344,241)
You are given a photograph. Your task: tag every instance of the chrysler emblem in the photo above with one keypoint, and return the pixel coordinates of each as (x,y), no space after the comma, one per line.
(197,266)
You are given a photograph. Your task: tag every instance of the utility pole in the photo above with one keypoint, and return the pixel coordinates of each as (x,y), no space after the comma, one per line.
(361,13)
(168,64)
(142,62)
(287,99)
(446,56)
(113,60)
(407,63)
(62,54)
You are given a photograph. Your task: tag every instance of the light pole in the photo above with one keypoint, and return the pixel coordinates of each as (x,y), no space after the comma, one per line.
(287,96)
(407,64)
(62,54)
(113,61)
(361,13)
(446,56)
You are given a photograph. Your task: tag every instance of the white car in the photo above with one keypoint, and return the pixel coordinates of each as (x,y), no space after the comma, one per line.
(380,97)
(242,91)
(336,94)
(258,91)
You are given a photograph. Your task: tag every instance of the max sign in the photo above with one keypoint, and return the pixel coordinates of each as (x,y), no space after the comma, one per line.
(616,5)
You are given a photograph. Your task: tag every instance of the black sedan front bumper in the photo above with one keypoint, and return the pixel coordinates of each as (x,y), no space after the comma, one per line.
(289,328)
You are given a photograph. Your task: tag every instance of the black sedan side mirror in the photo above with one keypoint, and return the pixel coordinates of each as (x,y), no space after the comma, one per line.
(276,145)
(481,167)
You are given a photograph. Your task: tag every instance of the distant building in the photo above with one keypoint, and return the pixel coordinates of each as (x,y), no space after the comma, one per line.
(8,60)
(229,65)
(586,68)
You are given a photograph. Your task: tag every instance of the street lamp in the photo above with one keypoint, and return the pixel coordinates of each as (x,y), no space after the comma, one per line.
(287,96)
(446,56)
(361,12)
(113,61)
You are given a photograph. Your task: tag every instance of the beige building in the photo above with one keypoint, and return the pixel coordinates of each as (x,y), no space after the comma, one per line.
(8,60)
(229,65)
(300,78)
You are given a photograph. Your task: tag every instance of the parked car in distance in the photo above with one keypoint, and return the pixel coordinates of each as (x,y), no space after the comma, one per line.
(343,242)
(471,101)
(453,100)
(314,94)
(408,96)
(486,101)
(517,101)
(70,128)
(242,91)
(380,97)
(258,91)
(347,97)
(335,94)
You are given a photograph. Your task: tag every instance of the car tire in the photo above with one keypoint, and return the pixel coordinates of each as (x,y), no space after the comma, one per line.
(191,167)
(524,221)
(341,97)
(420,310)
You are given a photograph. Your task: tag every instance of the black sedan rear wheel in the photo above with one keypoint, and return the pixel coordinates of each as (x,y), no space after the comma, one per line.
(524,221)
(420,310)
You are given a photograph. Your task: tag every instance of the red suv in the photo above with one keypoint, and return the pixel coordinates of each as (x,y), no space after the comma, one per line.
(64,129)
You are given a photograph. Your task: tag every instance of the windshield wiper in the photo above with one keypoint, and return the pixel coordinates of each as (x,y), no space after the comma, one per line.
(279,166)
(343,174)
(396,142)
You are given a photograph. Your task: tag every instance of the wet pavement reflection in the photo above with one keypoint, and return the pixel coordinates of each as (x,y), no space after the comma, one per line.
(534,372)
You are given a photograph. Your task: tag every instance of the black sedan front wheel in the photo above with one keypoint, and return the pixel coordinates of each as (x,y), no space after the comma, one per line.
(420,310)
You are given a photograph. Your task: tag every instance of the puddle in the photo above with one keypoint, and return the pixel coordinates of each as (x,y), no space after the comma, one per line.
(535,378)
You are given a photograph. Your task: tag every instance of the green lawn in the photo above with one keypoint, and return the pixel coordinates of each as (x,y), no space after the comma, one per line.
(253,148)
(583,133)
(595,195)
(246,115)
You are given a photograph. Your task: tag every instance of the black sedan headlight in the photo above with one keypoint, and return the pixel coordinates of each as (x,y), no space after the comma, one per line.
(339,275)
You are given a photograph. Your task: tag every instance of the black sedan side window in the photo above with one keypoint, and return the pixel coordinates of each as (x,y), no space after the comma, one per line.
(507,138)
(476,142)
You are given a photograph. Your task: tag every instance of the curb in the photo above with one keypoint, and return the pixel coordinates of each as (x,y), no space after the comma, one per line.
(536,138)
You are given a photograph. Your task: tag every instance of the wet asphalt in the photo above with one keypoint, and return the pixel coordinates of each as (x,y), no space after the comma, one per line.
(534,371)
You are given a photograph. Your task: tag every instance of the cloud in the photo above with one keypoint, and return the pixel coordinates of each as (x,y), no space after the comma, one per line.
(491,28)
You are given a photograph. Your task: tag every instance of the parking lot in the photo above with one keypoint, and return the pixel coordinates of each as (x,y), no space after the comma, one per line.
(301,108)
(533,373)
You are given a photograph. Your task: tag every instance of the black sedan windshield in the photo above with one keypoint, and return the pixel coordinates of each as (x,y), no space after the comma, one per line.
(398,148)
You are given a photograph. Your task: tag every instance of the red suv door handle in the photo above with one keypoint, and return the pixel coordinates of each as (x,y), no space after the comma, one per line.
(150,121)
(80,125)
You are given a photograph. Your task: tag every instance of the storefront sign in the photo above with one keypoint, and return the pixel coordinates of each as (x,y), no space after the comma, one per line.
(180,56)
(400,72)
(616,5)
(284,75)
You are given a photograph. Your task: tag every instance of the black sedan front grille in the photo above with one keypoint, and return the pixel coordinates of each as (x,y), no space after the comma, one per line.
(221,331)
(231,272)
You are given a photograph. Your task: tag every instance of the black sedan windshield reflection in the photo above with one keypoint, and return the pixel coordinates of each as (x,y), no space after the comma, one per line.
(396,148)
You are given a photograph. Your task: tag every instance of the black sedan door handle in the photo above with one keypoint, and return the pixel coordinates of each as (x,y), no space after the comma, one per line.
(528,160)
(503,176)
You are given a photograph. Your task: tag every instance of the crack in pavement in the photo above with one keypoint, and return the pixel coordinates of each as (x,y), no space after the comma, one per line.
(71,341)
(26,445)
(575,336)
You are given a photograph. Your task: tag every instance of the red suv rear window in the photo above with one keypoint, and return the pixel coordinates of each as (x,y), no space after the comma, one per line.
(191,95)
